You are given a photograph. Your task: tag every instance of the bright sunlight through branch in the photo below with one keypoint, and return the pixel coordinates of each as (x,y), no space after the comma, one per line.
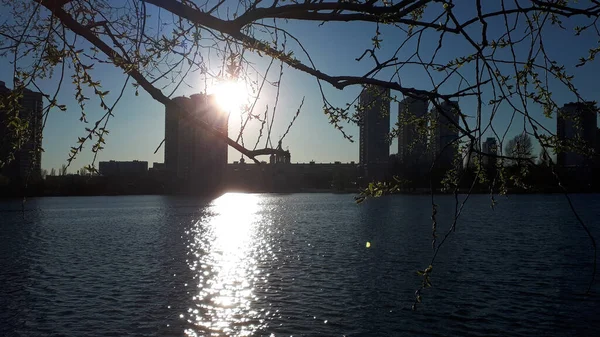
(231,96)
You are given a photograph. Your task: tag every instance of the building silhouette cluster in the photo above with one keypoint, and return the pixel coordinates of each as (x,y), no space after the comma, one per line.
(429,138)
(195,160)
(423,137)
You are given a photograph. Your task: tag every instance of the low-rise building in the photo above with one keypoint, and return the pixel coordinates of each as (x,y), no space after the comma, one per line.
(122,168)
(291,177)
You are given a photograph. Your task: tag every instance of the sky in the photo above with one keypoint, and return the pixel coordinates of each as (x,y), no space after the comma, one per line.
(137,127)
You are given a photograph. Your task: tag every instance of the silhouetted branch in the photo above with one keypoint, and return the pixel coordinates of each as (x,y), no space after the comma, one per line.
(77,28)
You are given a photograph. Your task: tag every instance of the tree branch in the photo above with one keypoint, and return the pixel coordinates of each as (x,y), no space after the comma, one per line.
(118,60)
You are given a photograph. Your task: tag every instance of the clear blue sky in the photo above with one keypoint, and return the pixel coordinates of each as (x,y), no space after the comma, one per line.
(138,125)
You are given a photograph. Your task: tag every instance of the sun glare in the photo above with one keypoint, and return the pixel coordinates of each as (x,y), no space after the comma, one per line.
(227,247)
(231,95)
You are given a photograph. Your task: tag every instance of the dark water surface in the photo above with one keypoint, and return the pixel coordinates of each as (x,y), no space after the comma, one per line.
(252,264)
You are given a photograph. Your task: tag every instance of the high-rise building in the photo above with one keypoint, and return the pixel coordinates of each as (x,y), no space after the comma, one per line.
(412,142)
(195,157)
(490,146)
(576,122)
(374,123)
(28,156)
(445,133)
(172,118)
(471,155)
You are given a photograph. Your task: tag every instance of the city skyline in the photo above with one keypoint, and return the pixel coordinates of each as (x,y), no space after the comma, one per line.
(408,103)
(395,142)
(351,153)
(575,122)
(136,129)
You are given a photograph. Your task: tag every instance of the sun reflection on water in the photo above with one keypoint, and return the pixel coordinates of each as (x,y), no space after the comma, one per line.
(225,248)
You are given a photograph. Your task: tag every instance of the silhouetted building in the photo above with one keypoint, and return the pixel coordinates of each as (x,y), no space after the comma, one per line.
(158,166)
(576,122)
(281,157)
(122,168)
(28,156)
(172,135)
(374,123)
(192,155)
(471,156)
(490,146)
(412,138)
(297,177)
(445,133)
(597,159)
(159,173)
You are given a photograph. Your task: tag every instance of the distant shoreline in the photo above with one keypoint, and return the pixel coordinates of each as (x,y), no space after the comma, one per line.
(308,191)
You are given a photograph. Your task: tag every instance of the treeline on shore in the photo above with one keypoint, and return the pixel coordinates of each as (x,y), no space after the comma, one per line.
(82,185)
(514,179)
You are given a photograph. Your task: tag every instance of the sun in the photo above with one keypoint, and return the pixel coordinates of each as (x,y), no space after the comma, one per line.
(231,96)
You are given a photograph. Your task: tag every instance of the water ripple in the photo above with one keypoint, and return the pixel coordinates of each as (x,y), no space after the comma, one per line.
(280,265)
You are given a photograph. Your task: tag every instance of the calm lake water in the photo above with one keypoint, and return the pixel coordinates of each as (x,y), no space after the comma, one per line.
(254,264)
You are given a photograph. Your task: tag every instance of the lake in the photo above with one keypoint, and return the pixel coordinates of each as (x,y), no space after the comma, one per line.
(298,264)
